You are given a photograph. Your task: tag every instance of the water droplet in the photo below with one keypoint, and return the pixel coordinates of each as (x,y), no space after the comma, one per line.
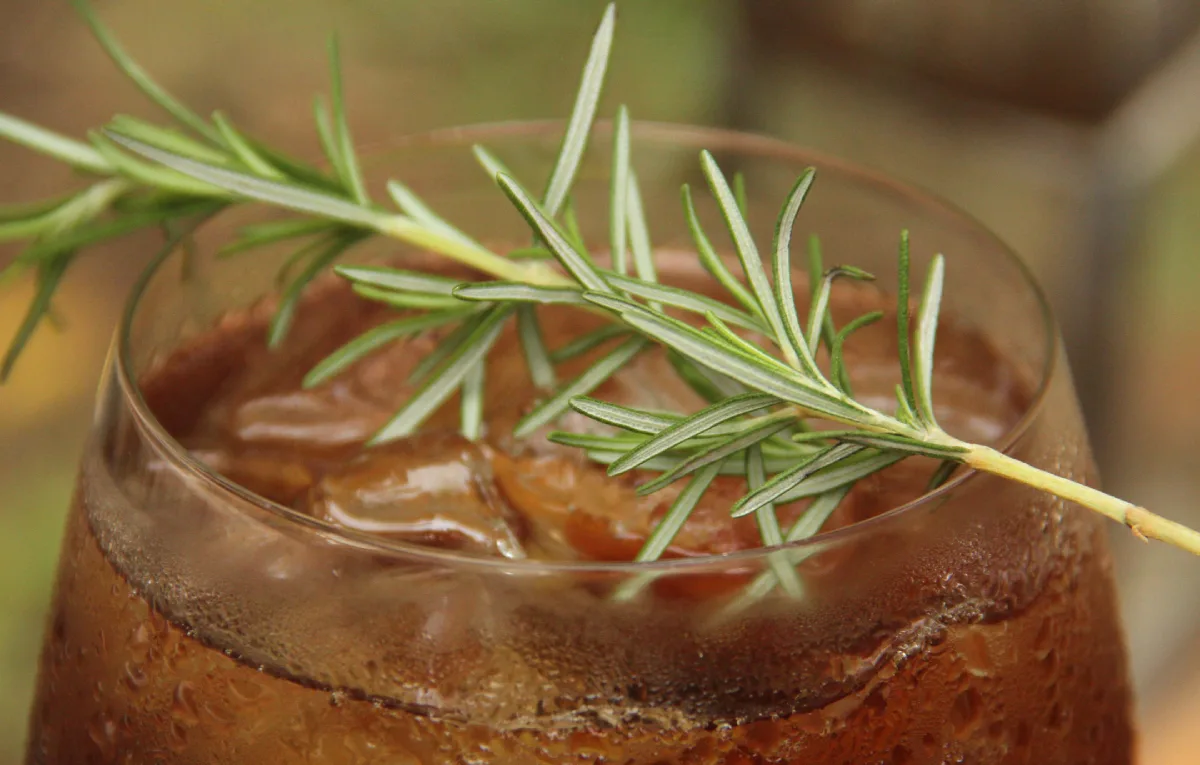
(135,676)
(183,705)
(103,733)
(141,636)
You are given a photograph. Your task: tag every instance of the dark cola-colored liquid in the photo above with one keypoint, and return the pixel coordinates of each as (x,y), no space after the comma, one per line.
(121,682)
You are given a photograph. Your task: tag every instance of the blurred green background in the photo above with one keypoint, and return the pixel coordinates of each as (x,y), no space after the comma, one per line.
(1011,110)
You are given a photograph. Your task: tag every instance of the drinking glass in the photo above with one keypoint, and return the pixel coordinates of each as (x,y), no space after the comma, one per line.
(196,622)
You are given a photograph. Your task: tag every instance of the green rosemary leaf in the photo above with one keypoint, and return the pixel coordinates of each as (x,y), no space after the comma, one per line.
(618,206)
(407,300)
(374,339)
(579,126)
(691,427)
(87,234)
(591,441)
(168,139)
(243,149)
(826,435)
(837,368)
(768,525)
(260,189)
(903,412)
(678,514)
(49,274)
(785,297)
(529,253)
(578,265)
(387,278)
(140,78)
(721,331)
(571,225)
(161,178)
(322,253)
(942,474)
(842,475)
(635,420)
(491,163)
(820,322)
(74,153)
(414,207)
(820,319)
(329,143)
(587,342)
(516,292)
(747,252)
(23,211)
(283,275)
(663,463)
(896,442)
(816,514)
(711,261)
(639,234)
(471,402)
(261,234)
(658,464)
(902,324)
(297,170)
(446,345)
(816,270)
(341,127)
(666,530)
(685,299)
(779,485)
(701,349)
(537,359)
(13,230)
(585,383)
(739,193)
(714,454)
(443,381)
(807,525)
(709,385)
(924,341)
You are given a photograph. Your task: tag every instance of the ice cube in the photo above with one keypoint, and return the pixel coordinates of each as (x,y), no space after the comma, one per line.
(341,412)
(332,416)
(279,478)
(433,488)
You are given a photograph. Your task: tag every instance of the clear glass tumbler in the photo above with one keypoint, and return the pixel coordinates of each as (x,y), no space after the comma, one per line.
(196,622)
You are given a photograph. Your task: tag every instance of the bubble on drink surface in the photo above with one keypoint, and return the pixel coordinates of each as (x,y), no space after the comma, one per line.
(433,488)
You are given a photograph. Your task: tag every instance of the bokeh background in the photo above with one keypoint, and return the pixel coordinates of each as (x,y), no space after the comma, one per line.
(1070,128)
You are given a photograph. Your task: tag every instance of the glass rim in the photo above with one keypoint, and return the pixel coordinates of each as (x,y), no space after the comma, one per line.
(701,137)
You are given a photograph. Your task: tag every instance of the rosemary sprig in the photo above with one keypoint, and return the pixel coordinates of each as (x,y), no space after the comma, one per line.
(762,394)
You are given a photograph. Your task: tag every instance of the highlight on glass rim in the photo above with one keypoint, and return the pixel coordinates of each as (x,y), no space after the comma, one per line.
(586,441)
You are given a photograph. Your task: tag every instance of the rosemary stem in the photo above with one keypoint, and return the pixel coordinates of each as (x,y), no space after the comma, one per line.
(1143,523)
(537,274)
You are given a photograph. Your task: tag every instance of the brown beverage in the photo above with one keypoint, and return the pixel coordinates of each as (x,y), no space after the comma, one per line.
(439,601)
